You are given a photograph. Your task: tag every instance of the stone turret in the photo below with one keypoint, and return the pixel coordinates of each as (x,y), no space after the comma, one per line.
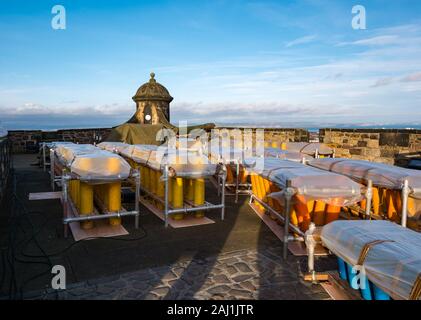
(152,103)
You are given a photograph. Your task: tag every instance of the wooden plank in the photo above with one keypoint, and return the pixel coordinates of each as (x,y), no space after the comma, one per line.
(318,276)
(339,289)
(101,229)
(188,221)
(44,195)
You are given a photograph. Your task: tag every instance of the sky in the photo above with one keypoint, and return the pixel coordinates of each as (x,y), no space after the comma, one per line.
(271,63)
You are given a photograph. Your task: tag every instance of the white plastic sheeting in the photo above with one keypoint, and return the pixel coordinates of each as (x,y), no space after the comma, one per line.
(185,163)
(380,174)
(286,155)
(309,148)
(234,155)
(392,266)
(116,147)
(91,163)
(309,182)
(227,155)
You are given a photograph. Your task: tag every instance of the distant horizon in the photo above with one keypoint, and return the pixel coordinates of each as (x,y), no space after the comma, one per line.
(310,127)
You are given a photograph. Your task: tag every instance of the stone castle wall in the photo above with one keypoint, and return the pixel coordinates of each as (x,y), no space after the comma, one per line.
(380,145)
(276,135)
(27,141)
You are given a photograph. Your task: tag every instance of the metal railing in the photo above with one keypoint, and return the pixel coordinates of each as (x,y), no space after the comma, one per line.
(5,165)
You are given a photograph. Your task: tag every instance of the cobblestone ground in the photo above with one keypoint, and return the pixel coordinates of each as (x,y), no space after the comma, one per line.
(244,274)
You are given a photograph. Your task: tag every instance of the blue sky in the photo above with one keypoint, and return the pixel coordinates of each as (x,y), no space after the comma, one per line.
(286,63)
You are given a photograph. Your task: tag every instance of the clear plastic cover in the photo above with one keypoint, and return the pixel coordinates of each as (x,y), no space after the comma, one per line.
(186,163)
(226,154)
(91,163)
(382,175)
(116,147)
(392,266)
(309,182)
(309,148)
(286,154)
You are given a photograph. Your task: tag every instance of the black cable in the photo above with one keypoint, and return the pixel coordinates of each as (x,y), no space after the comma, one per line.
(145,234)
(20,211)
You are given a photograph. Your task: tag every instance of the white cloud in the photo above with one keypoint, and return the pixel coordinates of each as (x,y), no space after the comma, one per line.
(31,108)
(412,77)
(302,40)
(374,41)
(382,82)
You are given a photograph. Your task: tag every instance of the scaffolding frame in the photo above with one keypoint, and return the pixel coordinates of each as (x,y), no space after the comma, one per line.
(167,174)
(64,178)
(288,192)
(237,190)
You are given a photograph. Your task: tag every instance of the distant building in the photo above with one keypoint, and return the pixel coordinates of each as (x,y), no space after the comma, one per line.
(152,103)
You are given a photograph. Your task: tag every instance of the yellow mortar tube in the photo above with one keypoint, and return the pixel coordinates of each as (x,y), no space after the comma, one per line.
(160,189)
(283,146)
(262,189)
(412,207)
(253,184)
(255,188)
(302,212)
(319,213)
(383,201)
(397,200)
(392,213)
(269,201)
(332,213)
(259,188)
(152,181)
(114,201)
(170,183)
(189,190)
(376,201)
(177,197)
(293,217)
(147,178)
(310,207)
(142,175)
(199,195)
(363,204)
(276,205)
(86,204)
(77,193)
(243,175)
(274,144)
(230,176)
